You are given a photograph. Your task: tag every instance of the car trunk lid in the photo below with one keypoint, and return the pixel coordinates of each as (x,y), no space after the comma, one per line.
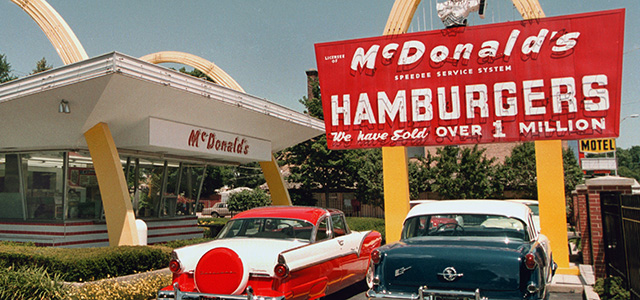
(453,263)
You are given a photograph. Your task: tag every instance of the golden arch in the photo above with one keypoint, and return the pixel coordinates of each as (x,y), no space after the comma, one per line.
(203,65)
(55,28)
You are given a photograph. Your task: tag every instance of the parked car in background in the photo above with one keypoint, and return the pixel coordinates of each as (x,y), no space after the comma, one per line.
(218,210)
(270,253)
(488,249)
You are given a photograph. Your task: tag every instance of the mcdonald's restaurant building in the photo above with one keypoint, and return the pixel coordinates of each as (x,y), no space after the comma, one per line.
(166,126)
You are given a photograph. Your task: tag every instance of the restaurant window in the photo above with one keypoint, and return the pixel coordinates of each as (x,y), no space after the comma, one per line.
(83,193)
(31,185)
(163,188)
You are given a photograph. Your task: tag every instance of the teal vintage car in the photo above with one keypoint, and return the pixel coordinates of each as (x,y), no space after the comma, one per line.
(464,249)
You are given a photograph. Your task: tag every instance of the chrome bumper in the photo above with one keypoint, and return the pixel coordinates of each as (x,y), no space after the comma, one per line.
(427,294)
(177,294)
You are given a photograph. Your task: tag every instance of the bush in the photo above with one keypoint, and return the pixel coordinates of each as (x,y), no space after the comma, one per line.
(248,199)
(365,224)
(182,243)
(86,264)
(611,288)
(27,282)
(212,226)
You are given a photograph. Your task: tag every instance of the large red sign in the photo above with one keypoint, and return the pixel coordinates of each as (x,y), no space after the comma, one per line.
(552,78)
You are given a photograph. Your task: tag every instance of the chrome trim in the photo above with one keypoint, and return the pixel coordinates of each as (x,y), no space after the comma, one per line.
(449,274)
(424,293)
(401,270)
(177,294)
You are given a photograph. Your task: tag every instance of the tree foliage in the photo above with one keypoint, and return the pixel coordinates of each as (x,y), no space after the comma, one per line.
(313,166)
(41,66)
(464,173)
(5,70)
(573,175)
(629,162)
(248,199)
(520,171)
(370,187)
(196,73)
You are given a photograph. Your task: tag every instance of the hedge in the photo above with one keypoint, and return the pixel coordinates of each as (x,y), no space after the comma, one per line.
(86,264)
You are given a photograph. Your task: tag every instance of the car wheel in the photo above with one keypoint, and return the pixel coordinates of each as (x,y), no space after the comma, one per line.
(369,276)
(215,214)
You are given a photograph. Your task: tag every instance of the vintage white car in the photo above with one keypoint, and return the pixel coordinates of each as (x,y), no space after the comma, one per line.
(282,252)
(465,249)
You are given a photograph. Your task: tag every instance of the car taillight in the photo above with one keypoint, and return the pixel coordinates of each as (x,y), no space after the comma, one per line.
(375,256)
(281,270)
(529,261)
(174,266)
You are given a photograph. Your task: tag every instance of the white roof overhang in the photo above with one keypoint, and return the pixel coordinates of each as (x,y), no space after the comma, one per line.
(148,108)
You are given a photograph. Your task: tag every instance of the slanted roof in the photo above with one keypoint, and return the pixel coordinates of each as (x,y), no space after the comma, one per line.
(131,95)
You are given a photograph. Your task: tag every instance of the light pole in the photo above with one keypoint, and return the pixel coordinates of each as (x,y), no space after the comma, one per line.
(631,116)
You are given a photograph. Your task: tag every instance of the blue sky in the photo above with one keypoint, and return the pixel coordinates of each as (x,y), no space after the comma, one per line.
(267,46)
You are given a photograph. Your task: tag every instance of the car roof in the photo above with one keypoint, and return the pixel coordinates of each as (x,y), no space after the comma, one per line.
(487,207)
(305,213)
(524,201)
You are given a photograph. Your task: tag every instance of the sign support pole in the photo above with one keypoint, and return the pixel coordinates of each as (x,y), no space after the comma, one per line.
(395,172)
(550,171)
(551,202)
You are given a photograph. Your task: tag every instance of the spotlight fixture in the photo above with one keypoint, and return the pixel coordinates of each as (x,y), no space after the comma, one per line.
(64,107)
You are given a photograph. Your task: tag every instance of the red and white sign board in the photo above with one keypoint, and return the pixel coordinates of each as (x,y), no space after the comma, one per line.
(179,136)
(546,79)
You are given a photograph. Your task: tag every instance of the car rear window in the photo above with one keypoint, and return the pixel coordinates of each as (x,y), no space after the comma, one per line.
(470,225)
(272,228)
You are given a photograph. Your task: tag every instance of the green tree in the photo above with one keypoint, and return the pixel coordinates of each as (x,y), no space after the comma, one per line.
(313,166)
(316,167)
(369,188)
(196,73)
(248,199)
(216,177)
(629,162)
(247,175)
(420,175)
(520,170)
(41,66)
(5,70)
(464,173)
(573,174)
